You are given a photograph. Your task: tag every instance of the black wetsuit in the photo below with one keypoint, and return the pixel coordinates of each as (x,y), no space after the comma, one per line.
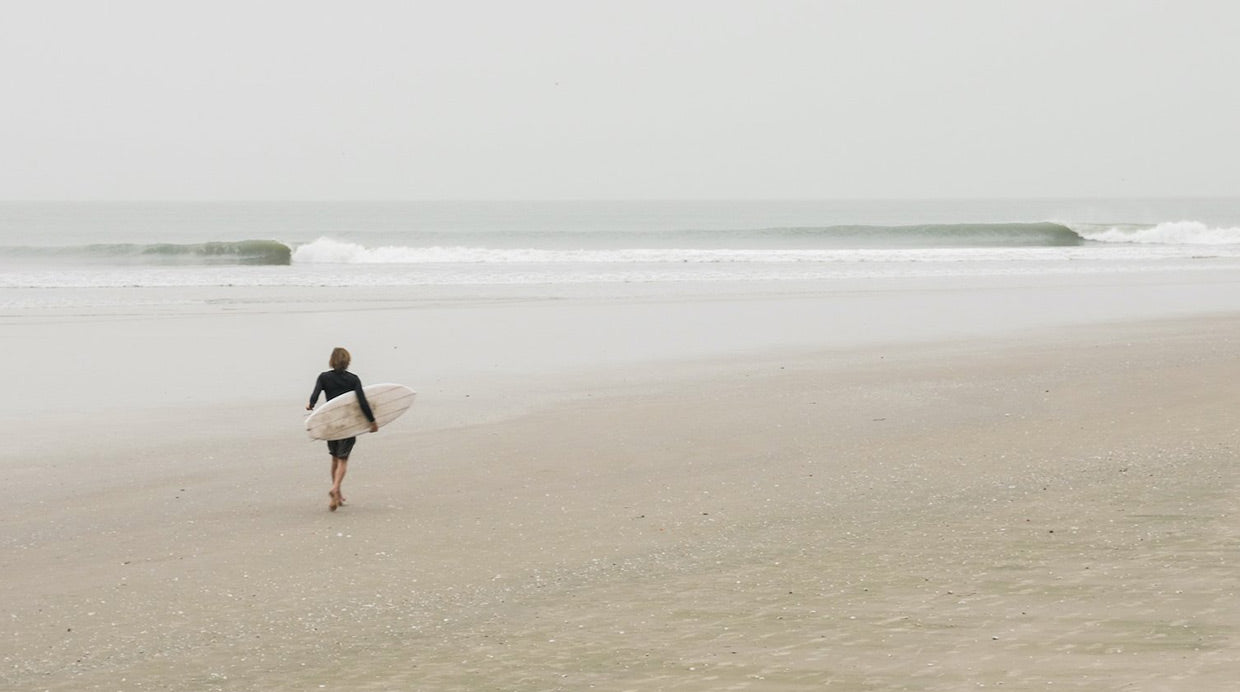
(333,383)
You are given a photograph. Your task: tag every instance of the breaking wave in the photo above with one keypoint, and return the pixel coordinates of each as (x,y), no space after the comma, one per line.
(1167,233)
(1044,234)
(763,245)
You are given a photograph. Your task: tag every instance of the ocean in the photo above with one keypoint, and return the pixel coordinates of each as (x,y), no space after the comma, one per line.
(230,245)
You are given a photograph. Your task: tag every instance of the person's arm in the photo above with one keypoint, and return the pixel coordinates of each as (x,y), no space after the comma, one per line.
(361,401)
(314,397)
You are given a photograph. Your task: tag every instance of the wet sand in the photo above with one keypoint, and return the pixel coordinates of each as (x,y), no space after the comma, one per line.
(1056,510)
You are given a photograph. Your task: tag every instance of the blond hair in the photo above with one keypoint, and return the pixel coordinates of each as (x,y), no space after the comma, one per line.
(340,358)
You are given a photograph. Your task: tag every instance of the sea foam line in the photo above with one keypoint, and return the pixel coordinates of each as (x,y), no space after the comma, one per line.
(1166,233)
(327,251)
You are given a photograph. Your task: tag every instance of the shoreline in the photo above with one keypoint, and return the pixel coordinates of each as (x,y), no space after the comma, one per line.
(1054,508)
(257,346)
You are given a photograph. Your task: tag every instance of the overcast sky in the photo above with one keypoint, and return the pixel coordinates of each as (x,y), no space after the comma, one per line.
(606,100)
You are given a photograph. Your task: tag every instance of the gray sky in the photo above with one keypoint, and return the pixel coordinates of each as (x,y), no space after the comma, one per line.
(628,99)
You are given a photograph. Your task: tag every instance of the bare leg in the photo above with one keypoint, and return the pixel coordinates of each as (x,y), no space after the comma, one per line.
(340,467)
(335,465)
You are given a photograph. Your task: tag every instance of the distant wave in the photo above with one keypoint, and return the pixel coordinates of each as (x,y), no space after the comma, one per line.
(256,252)
(761,245)
(1043,234)
(998,235)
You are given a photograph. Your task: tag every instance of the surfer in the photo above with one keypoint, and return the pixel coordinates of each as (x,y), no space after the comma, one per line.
(333,383)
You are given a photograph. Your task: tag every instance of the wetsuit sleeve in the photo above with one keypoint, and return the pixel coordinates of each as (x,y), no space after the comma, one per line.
(361,399)
(318,389)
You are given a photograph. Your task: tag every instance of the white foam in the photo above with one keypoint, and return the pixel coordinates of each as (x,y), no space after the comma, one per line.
(1168,233)
(328,251)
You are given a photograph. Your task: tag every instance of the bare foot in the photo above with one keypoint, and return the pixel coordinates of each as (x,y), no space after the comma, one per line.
(335,500)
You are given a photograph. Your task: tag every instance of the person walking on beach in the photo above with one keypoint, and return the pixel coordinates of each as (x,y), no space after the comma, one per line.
(333,383)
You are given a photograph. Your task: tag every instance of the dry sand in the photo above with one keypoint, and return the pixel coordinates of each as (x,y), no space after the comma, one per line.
(1052,512)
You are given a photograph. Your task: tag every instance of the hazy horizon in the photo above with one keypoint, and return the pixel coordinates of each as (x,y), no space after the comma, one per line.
(553,100)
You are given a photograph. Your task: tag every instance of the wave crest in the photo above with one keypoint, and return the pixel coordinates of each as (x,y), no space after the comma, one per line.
(256,252)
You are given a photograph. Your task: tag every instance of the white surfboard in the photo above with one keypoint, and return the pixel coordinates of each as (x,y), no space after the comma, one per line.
(342,417)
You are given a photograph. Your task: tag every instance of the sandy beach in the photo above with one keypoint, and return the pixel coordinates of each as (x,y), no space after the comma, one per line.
(1053,508)
(757,347)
